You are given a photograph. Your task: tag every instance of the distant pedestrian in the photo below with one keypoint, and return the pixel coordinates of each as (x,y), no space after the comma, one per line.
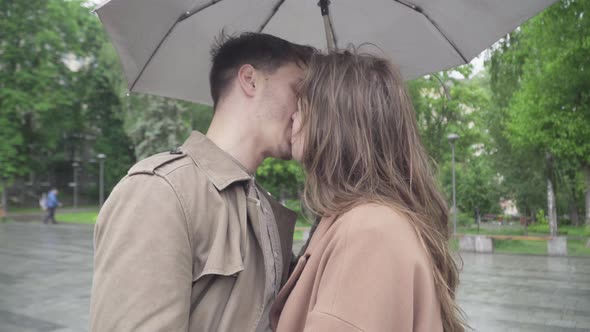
(43,202)
(51,203)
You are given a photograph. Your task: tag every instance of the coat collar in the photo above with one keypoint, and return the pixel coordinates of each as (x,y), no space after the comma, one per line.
(219,166)
(321,230)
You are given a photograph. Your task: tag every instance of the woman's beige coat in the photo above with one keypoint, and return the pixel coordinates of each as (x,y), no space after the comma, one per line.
(363,271)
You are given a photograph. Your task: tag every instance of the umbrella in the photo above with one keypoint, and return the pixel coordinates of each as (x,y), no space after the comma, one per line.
(164,45)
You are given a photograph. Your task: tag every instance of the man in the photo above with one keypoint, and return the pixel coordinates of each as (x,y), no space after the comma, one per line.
(188,240)
(51,203)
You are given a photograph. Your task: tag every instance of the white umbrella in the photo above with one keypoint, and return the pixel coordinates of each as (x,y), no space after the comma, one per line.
(164,45)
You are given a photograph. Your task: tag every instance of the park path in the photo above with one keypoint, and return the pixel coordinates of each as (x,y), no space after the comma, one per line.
(46,275)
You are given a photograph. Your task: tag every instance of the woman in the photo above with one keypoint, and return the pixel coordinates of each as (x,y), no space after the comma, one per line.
(378,260)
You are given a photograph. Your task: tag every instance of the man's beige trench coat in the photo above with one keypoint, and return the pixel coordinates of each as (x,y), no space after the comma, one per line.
(177,248)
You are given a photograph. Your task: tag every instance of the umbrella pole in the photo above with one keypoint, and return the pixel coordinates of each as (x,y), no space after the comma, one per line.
(324,4)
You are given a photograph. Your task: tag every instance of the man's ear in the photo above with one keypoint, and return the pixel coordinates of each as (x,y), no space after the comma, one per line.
(247,78)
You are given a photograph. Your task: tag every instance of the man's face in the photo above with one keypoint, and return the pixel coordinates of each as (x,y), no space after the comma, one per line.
(297,140)
(278,104)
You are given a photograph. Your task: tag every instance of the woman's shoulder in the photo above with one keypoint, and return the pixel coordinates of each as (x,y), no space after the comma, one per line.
(373,217)
(378,224)
(377,230)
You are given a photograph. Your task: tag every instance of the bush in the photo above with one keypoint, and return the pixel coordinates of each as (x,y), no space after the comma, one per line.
(295,205)
(538,227)
(564,221)
(541,219)
(561,230)
(463,219)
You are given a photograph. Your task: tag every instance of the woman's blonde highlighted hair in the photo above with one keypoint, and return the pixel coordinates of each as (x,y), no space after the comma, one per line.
(361,144)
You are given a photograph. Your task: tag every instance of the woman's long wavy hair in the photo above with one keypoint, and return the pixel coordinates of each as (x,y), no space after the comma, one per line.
(361,145)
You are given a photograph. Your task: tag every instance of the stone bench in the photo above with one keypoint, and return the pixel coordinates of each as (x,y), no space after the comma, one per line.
(556,246)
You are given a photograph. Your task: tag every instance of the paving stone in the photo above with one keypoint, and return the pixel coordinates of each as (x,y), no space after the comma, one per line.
(46,276)
(11,319)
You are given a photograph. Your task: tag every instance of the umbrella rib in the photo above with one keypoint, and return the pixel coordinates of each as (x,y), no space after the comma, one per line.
(181,18)
(274,11)
(197,10)
(328,25)
(334,37)
(420,11)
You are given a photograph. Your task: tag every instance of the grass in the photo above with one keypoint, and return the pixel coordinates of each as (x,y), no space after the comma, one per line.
(298,236)
(89,217)
(533,230)
(504,230)
(86,217)
(25,210)
(577,248)
(520,247)
(576,244)
(574,247)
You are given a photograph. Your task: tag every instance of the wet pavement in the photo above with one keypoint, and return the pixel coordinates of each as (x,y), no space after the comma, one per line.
(46,274)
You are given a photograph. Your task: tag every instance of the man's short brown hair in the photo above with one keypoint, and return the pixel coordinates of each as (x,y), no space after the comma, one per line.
(263,51)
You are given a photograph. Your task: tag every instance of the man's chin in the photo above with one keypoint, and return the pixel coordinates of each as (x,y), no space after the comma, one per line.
(286,156)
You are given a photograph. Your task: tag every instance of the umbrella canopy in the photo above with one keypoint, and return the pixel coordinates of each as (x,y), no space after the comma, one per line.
(164,45)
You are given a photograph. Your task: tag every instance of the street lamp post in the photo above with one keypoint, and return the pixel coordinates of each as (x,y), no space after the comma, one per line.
(101,157)
(452,138)
(75,166)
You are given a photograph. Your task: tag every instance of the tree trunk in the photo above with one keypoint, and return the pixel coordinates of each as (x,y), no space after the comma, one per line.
(587,175)
(573,206)
(574,216)
(551,209)
(4,196)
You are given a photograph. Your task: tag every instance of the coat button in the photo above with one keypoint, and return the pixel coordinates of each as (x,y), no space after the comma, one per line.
(175,151)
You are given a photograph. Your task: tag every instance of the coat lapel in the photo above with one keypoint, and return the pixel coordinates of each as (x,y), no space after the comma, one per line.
(283,295)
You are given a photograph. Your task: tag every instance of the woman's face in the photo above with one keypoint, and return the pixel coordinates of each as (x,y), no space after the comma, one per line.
(297,140)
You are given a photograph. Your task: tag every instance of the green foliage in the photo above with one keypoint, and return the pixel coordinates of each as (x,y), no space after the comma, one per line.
(437,116)
(579,231)
(541,218)
(156,124)
(540,89)
(37,89)
(59,91)
(296,205)
(282,178)
(463,219)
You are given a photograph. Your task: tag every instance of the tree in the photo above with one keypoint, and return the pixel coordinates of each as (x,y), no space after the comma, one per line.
(105,115)
(438,115)
(551,107)
(519,166)
(156,124)
(35,82)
